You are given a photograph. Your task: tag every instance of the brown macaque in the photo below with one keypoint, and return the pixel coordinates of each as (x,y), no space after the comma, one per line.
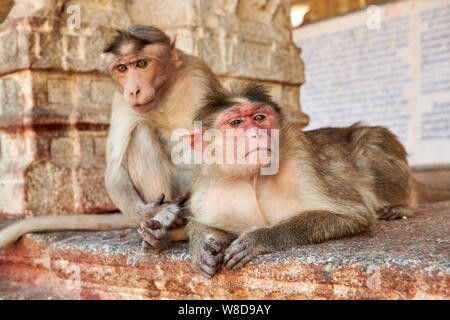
(328,183)
(161,88)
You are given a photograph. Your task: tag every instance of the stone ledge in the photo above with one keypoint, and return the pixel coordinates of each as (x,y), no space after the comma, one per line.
(403,259)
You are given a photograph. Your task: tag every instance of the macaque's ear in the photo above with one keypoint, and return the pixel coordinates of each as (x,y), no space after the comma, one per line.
(190,139)
(173,49)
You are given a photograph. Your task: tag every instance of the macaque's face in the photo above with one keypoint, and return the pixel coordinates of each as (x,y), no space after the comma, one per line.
(141,75)
(247,129)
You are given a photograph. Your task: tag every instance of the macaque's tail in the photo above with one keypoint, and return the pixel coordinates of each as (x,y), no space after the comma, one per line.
(66,222)
(430,194)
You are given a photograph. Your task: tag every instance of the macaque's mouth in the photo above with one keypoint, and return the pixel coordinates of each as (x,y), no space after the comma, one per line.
(144,107)
(258,149)
(140,105)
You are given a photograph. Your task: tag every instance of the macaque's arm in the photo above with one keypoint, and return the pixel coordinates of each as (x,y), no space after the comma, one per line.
(144,167)
(124,195)
(306,228)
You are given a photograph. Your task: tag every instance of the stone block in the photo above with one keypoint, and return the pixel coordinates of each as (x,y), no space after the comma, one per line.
(15,156)
(12,94)
(62,148)
(100,147)
(49,189)
(8,51)
(54,140)
(12,199)
(167,14)
(92,197)
(59,91)
(40,43)
(13,146)
(102,91)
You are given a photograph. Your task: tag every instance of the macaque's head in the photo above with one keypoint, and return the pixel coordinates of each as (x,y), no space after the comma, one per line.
(140,61)
(239,128)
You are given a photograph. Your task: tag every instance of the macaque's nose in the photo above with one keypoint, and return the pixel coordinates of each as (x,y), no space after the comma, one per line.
(132,87)
(254,133)
(134,92)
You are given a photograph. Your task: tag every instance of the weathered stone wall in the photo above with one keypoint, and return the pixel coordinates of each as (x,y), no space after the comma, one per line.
(55,96)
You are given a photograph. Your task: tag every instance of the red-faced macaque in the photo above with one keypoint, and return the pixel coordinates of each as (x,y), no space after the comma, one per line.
(328,183)
(161,88)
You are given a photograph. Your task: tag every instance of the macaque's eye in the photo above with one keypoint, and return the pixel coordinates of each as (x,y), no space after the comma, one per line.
(235,122)
(259,117)
(121,68)
(141,64)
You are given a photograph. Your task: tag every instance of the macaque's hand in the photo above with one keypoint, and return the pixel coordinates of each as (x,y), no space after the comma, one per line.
(162,217)
(244,249)
(207,258)
(397,212)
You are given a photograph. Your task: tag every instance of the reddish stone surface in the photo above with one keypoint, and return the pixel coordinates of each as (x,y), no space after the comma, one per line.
(15,291)
(403,259)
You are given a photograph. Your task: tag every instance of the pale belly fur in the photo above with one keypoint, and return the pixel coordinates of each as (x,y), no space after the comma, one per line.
(234,207)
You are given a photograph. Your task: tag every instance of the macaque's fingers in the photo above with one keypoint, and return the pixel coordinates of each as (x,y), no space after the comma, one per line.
(148,237)
(210,263)
(160,199)
(180,218)
(239,256)
(212,245)
(166,214)
(235,247)
(178,199)
(234,253)
(208,270)
(205,265)
(242,250)
(235,259)
(160,234)
(204,273)
(151,224)
(151,208)
(389,216)
(208,260)
(146,246)
(392,213)
(157,238)
(182,199)
(247,257)
(219,258)
(385,214)
(178,222)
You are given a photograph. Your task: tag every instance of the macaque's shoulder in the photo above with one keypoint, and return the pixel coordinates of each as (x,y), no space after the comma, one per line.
(193,67)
